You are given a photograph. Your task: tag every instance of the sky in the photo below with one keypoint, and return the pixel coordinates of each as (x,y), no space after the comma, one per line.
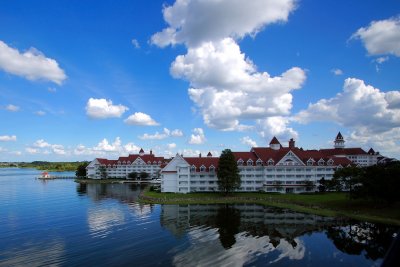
(87,79)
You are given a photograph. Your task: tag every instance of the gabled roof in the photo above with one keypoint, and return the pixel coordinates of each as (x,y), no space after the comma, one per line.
(343,151)
(266,153)
(131,158)
(339,136)
(245,156)
(198,162)
(274,141)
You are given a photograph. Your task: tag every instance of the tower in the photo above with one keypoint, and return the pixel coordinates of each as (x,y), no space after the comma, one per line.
(274,144)
(339,141)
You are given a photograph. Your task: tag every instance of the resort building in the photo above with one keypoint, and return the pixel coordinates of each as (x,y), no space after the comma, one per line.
(120,168)
(273,169)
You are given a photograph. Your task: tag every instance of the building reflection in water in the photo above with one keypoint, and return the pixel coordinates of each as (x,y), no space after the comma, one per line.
(247,231)
(102,219)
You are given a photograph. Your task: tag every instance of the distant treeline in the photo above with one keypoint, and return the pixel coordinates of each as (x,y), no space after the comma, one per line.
(48,166)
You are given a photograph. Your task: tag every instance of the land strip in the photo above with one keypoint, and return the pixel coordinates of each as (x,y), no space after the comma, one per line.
(328,204)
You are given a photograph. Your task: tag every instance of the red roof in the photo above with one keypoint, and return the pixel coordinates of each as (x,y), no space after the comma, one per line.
(343,151)
(198,162)
(131,158)
(245,156)
(266,153)
(274,141)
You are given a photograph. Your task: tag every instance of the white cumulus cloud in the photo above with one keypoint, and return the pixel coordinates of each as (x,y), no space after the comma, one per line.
(12,108)
(31,64)
(139,118)
(381,37)
(159,136)
(8,138)
(337,72)
(198,137)
(41,143)
(246,140)
(369,112)
(171,146)
(105,146)
(103,108)
(227,89)
(225,85)
(135,43)
(194,21)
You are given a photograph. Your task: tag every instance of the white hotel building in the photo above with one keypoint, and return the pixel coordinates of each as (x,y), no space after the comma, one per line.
(272,169)
(121,167)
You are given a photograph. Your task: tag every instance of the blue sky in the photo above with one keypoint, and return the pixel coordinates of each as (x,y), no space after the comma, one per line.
(85,79)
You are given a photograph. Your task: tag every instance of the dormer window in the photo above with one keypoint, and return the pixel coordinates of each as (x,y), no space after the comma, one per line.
(149,162)
(155,162)
(259,162)
(129,162)
(240,162)
(321,162)
(159,162)
(119,162)
(202,168)
(212,168)
(310,162)
(193,168)
(330,162)
(249,162)
(270,162)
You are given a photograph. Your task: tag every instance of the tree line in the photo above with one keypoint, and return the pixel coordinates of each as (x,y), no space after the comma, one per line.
(377,182)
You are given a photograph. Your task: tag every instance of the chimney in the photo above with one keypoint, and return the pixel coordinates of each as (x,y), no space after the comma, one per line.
(200,155)
(291,143)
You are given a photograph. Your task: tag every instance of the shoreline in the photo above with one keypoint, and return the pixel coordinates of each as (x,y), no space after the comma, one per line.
(113,181)
(328,204)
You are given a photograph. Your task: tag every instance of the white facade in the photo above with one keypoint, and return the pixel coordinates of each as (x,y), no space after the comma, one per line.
(271,169)
(121,168)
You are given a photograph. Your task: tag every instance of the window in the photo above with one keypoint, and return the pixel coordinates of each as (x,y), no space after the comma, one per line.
(202,168)
(310,162)
(249,162)
(212,168)
(259,162)
(270,162)
(240,162)
(321,162)
(193,168)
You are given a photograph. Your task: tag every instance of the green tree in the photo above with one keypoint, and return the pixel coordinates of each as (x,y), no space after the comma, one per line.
(322,185)
(347,178)
(133,175)
(143,175)
(228,172)
(309,185)
(81,170)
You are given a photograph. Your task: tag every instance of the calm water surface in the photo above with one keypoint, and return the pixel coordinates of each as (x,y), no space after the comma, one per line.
(61,223)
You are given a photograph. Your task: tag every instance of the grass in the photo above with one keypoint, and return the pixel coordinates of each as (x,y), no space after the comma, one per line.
(328,204)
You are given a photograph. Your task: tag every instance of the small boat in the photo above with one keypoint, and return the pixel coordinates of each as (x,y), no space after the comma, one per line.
(45,175)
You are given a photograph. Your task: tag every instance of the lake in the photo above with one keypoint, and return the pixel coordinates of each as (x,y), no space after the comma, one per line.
(62,223)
